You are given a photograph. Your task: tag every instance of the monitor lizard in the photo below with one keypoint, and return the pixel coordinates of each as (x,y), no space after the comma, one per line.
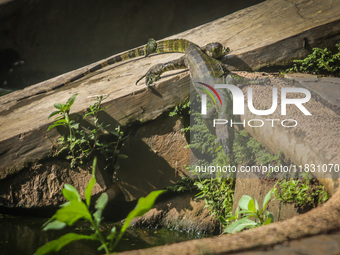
(152,47)
(205,71)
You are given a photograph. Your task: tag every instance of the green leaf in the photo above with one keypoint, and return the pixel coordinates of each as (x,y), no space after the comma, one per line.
(59,243)
(144,204)
(256,205)
(232,217)
(54,113)
(87,114)
(57,123)
(251,206)
(75,126)
(270,216)
(67,119)
(100,205)
(122,156)
(112,234)
(59,106)
(54,225)
(267,221)
(72,212)
(199,186)
(88,190)
(240,225)
(237,213)
(92,182)
(70,101)
(71,193)
(267,199)
(244,201)
(102,247)
(102,201)
(52,126)
(60,122)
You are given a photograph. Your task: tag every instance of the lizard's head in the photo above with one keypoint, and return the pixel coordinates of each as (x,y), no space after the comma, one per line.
(151,47)
(215,50)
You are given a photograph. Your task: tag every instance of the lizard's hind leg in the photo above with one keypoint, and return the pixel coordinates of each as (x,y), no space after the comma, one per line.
(155,72)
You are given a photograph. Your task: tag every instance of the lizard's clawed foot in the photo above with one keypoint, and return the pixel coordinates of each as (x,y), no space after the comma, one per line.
(150,78)
(154,74)
(225,69)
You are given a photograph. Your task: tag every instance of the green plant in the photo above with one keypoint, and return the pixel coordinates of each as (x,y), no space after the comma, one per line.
(202,140)
(75,209)
(250,152)
(81,142)
(182,109)
(250,209)
(321,61)
(218,195)
(63,110)
(282,73)
(183,185)
(303,193)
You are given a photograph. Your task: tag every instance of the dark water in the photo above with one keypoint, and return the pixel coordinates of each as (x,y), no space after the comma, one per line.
(23,235)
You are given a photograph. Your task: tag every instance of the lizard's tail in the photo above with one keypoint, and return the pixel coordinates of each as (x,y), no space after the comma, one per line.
(166,46)
(138,52)
(172,46)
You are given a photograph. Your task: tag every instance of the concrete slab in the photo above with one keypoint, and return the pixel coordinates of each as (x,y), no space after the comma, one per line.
(328,88)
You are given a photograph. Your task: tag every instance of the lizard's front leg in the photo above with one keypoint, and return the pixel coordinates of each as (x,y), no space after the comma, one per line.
(155,72)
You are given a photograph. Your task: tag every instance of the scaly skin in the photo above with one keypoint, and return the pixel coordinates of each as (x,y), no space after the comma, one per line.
(167,46)
(213,51)
(205,69)
(146,50)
